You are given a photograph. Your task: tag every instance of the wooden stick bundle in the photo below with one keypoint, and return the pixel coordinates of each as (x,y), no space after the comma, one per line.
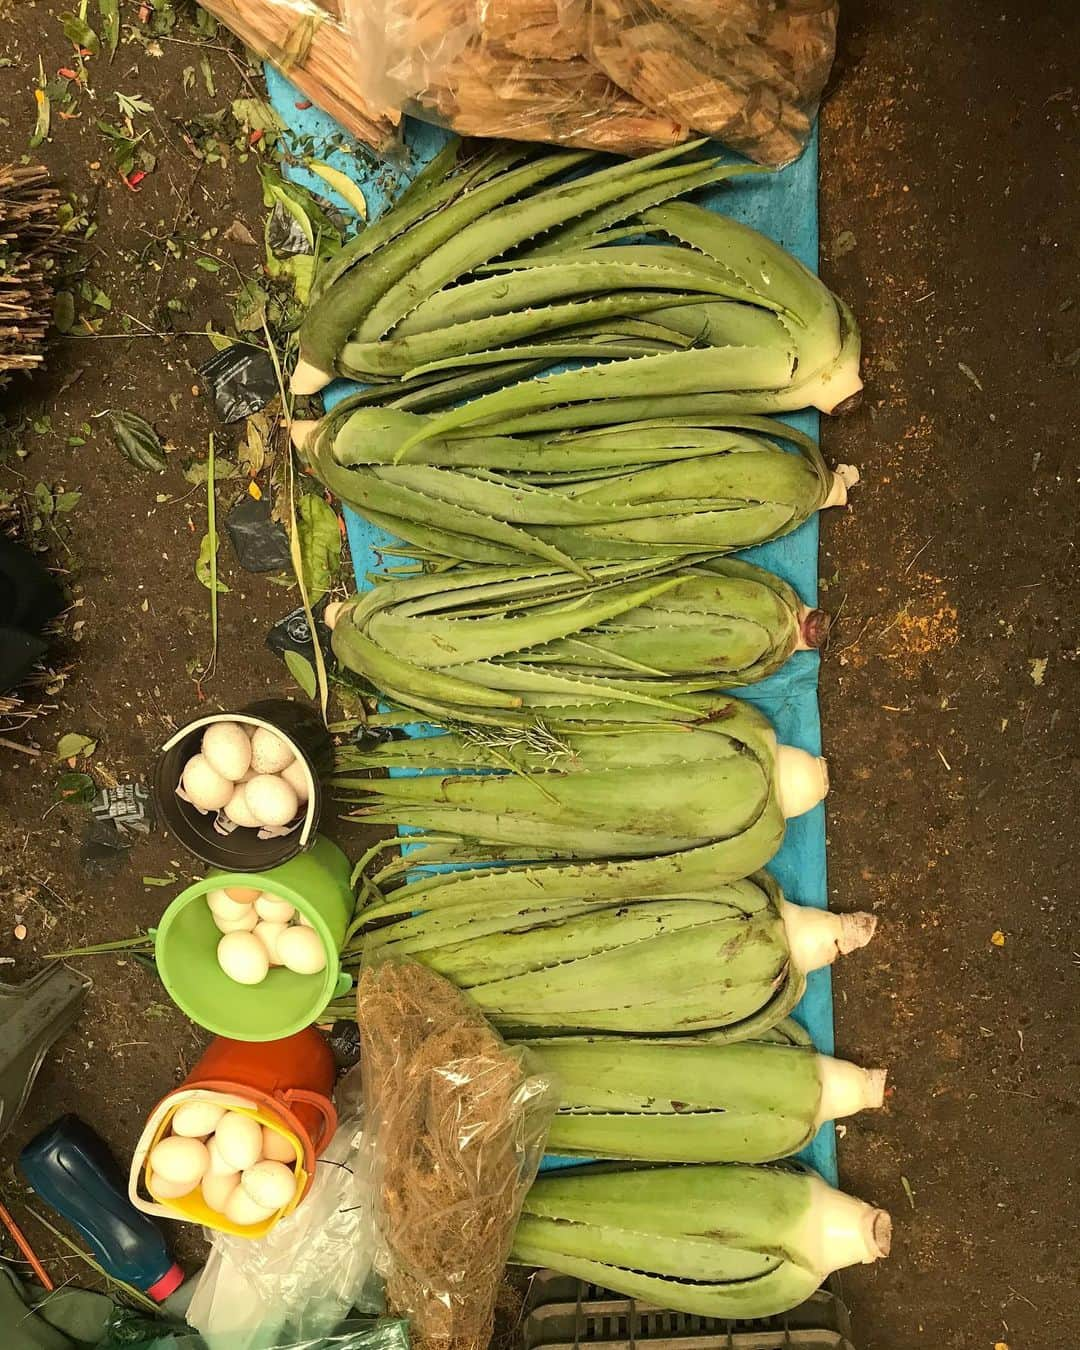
(28,235)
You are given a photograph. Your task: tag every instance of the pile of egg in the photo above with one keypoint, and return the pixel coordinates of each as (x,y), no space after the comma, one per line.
(261,931)
(249,774)
(244,1169)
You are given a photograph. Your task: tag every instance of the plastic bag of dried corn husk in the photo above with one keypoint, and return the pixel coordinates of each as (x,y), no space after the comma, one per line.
(749,72)
(456,1122)
(497,68)
(622,75)
(308,42)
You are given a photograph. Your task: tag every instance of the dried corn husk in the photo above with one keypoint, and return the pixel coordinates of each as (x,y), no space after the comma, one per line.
(307,41)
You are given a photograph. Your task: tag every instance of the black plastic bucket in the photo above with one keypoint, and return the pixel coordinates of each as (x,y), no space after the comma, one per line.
(243,850)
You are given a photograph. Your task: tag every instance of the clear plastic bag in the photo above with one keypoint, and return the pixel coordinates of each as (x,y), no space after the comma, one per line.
(457,1124)
(302,1279)
(497,68)
(621,75)
(309,43)
(749,72)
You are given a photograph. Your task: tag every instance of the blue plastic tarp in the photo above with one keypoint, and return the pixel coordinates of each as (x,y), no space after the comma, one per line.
(784,206)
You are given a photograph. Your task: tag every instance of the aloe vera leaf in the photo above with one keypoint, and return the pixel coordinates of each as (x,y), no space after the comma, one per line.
(580,233)
(478,240)
(395,355)
(344,305)
(518,285)
(679,374)
(440,642)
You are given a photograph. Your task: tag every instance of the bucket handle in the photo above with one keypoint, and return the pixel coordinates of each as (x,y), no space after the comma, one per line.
(321,1106)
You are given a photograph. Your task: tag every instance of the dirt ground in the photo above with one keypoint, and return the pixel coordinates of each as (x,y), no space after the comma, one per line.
(949,151)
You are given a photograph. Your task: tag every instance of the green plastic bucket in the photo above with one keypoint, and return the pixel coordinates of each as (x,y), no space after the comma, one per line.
(318,884)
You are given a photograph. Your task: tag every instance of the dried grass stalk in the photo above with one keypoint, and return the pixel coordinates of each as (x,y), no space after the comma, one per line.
(459,1127)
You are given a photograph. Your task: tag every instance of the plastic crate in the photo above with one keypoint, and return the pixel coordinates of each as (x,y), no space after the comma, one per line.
(563,1313)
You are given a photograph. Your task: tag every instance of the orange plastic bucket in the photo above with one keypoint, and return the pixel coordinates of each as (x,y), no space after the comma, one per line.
(285,1084)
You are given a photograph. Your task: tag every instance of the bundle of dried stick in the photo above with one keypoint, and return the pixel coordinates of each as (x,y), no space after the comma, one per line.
(29,234)
(308,42)
(458,1125)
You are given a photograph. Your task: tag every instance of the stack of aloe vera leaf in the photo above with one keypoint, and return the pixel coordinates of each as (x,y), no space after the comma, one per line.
(599,791)
(698,1098)
(604,805)
(638,642)
(665,489)
(501,262)
(731,961)
(728,1241)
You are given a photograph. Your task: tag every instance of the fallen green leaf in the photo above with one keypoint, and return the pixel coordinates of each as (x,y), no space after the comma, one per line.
(249,308)
(208,264)
(208,547)
(198,471)
(169,880)
(342,184)
(63,311)
(66,501)
(131,105)
(219,341)
(44,110)
(255,114)
(110,24)
(78,31)
(77,788)
(74,745)
(208,75)
(320,544)
(138,441)
(302,671)
(908,1191)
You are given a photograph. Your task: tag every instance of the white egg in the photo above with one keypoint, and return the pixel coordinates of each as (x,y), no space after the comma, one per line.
(243,957)
(246,924)
(218,1166)
(271,800)
(206,789)
(332,613)
(276,1147)
(269,753)
(296,775)
(226,748)
(301,950)
(181,1160)
(238,811)
(269,935)
(270,907)
(243,895)
(241,1210)
(239,1140)
(161,1189)
(195,1119)
(269,1183)
(217,1187)
(223,906)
